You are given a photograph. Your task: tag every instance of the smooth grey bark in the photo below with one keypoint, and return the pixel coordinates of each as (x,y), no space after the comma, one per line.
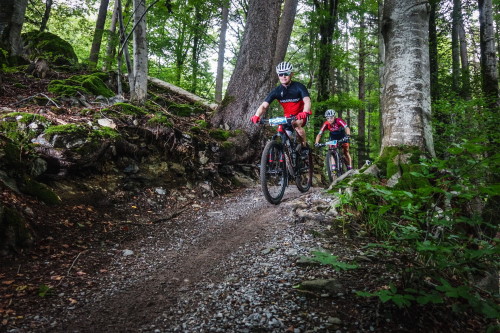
(99,29)
(139,91)
(285,29)
(253,76)
(219,80)
(406,91)
(488,55)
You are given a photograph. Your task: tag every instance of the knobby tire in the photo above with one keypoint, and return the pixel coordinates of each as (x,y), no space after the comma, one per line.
(273,173)
(303,179)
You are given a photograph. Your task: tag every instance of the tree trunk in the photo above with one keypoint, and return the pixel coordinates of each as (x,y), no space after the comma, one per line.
(285,29)
(112,39)
(138,94)
(124,51)
(327,11)
(253,76)
(433,50)
(406,90)
(464,61)
(46,15)
(99,29)
(11,23)
(222,47)
(381,59)
(488,56)
(361,143)
(455,51)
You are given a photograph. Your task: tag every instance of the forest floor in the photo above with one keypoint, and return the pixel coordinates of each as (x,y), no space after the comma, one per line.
(225,264)
(174,262)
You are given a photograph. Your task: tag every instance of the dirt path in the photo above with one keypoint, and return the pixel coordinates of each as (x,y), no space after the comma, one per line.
(172,259)
(226,264)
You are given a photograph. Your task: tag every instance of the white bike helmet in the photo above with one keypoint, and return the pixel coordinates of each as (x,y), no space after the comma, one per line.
(330,113)
(284,67)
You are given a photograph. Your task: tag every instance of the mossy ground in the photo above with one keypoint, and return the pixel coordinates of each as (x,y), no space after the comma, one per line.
(92,84)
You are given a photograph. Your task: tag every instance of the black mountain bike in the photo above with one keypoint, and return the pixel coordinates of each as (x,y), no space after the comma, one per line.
(335,163)
(282,160)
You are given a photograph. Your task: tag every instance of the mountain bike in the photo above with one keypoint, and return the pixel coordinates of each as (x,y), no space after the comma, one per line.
(335,162)
(282,160)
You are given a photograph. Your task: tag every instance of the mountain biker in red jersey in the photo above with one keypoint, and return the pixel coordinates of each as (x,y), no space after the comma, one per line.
(293,97)
(338,130)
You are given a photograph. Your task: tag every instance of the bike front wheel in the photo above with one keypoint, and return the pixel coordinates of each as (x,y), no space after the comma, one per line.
(331,162)
(273,173)
(303,178)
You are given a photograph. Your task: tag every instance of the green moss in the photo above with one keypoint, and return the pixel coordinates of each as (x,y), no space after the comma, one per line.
(69,129)
(195,130)
(201,123)
(96,86)
(219,134)
(128,109)
(51,47)
(184,110)
(104,132)
(66,90)
(41,192)
(404,160)
(14,125)
(160,119)
(92,84)
(227,145)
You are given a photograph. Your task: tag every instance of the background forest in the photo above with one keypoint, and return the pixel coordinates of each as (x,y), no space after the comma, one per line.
(419,91)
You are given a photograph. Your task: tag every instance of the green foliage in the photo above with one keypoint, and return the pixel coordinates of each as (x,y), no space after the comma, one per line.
(325,258)
(433,228)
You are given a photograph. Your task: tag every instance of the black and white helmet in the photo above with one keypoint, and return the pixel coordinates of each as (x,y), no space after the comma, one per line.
(284,67)
(330,113)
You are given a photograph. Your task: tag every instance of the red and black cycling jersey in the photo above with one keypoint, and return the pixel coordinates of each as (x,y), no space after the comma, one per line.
(337,129)
(290,97)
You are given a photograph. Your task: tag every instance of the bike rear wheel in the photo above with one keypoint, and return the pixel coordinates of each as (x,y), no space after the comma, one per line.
(304,176)
(273,173)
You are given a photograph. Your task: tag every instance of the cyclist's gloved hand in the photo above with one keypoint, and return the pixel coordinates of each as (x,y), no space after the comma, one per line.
(255,119)
(316,145)
(302,115)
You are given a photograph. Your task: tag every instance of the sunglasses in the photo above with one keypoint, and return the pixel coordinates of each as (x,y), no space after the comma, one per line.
(284,74)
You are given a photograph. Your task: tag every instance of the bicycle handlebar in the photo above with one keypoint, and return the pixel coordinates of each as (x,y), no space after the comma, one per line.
(330,143)
(277,121)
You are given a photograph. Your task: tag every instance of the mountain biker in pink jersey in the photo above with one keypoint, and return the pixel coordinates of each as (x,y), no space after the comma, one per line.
(338,130)
(293,97)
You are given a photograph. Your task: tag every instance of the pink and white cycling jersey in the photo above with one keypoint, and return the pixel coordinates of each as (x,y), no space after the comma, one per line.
(337,129)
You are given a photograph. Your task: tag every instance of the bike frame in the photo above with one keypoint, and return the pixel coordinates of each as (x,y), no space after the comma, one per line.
(288,149)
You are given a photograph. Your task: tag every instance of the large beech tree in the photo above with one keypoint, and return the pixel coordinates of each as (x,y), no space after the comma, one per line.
(406,100)
(253,76)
